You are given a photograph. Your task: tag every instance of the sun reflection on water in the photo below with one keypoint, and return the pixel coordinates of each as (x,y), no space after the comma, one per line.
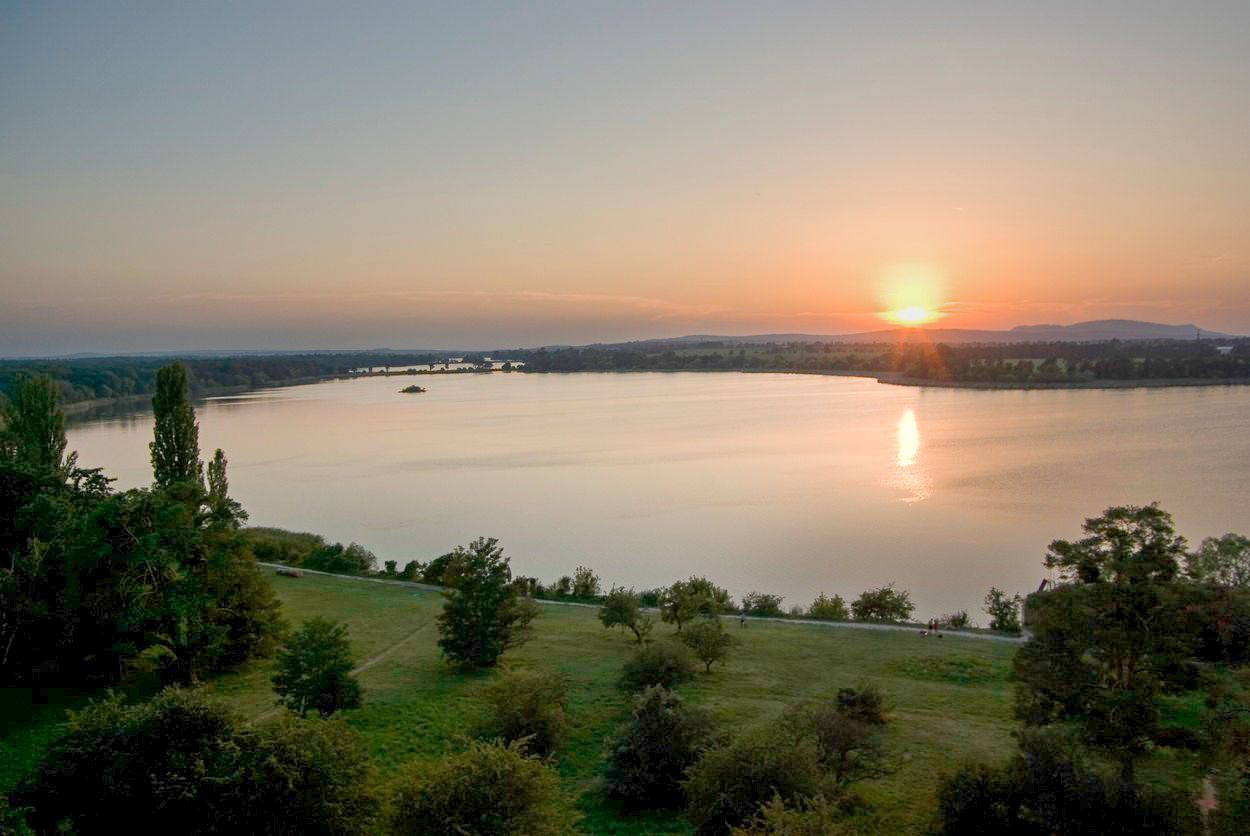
(909,476)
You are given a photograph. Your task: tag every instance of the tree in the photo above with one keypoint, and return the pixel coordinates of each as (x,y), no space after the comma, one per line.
(1107,641)
(847,749)
(829,609)
(622,608)
(886,604)
(488,789)
(32,427)
(1221,561)
(663,738)
(222,509)
(709,641)
(313,671)
(1004,611)
(585,583)
(656,663)
(762,604)
(352,559)
(176,448)
(528,707)
(483,616)
(685,600)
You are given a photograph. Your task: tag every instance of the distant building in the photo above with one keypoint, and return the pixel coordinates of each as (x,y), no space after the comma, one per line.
(1224,349)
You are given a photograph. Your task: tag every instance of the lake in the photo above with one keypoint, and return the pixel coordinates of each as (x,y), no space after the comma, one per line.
(782,483)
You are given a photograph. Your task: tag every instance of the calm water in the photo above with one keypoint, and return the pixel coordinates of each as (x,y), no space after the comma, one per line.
(788,484)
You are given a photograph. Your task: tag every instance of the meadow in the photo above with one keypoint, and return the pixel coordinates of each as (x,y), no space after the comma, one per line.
(951,697)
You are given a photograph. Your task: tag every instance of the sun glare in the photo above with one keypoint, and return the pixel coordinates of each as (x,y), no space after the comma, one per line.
(913,315)
(913,294)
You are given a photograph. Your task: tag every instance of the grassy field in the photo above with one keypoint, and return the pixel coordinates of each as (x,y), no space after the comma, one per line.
(951,697)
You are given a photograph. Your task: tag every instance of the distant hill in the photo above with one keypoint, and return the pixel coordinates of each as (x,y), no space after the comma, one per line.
(1098,330)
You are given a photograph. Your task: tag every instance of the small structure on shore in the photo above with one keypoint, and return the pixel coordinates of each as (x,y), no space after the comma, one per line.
(412,390)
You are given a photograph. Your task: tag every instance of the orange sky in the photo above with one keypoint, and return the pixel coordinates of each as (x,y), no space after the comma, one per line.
(436,176)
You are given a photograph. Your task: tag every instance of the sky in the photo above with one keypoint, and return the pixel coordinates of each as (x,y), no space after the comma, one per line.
(178,176)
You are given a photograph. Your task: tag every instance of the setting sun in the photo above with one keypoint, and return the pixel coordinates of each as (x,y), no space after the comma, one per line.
(914,315)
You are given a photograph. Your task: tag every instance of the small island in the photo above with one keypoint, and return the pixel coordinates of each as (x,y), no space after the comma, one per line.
(412,390)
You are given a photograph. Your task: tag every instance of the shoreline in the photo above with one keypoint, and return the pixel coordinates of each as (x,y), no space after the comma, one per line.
(79,408)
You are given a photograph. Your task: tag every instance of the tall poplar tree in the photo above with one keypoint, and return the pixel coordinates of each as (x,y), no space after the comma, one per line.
(32,427)
(176,447)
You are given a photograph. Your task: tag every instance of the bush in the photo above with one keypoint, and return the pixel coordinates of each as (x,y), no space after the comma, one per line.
(527,707)
(353,559)
(806,817)
(585,583)
(487,790)
(313,671)
(956,620)
(848,749)
(277,545)
(439,571)
(762,604)
(886,604)
(483,616)
(829,609)
(685,600)
(299,776)
(563,587)
(709,641)
(866,703)
(658,663)
(188,765)
(664,738)
(729,784)
(1048,787)
(621,608)
(1004,611)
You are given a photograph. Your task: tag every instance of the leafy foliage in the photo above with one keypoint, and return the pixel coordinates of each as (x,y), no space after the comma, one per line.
(487,789)
(816,816)
(353,559)
(483,615)
(313,671)
(1003,610)
(709,641)
(1221,561)
(585,583)
(848,749)
(528,707)
(622,608)
(663,738)
(886,604)
(176,448)
(179,755)
(762,604)
(657,663)
(688,599)
(865,703)
(825,608)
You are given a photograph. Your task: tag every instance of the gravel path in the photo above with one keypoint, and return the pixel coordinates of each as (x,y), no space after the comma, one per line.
(830,625)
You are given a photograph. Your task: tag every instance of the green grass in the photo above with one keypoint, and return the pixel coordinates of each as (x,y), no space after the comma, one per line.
(951,699)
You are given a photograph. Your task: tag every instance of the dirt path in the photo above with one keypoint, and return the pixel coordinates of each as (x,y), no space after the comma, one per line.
(829,625)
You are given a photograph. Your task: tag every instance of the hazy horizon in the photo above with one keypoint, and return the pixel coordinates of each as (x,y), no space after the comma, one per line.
(189,177)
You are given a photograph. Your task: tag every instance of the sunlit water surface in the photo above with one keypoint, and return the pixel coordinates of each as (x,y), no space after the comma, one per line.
(790,484)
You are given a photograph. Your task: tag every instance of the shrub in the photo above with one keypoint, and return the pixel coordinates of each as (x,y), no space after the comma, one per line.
(658,663)
(439,571)
(762,604)
(353,559)
(488,789)
(483,616)
(848,749)
(886,604)
(956,620)
(562,587)
(829,609)
(621,608)
(313,671)
(729,784)
(529,707)
(805,817)
(866,703)
(1004,611)
(389,569)
(277,545)
(663,738)
(298,776)
(709,641)
(186,764)
(412,570)
(1049,786)
(585,583)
